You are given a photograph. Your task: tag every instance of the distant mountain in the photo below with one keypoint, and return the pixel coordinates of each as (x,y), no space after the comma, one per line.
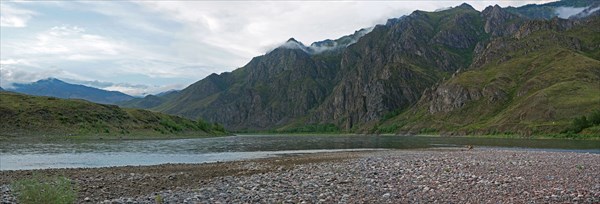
(564,9)
(502,70)
(147,102)
(60,89)
(167,92)
(37,116)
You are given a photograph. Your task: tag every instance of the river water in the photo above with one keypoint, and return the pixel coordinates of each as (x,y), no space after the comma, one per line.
(104,153)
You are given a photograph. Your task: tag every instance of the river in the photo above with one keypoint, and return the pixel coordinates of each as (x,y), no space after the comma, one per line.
(105,153)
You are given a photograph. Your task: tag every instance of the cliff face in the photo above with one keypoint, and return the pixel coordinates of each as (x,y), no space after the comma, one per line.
(390,67)
(457,70)
(269,91)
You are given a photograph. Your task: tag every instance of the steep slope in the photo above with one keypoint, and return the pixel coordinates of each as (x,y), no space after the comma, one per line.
(389,68)
(60,89)
(35,116)
(533,82)
(295,84)
(269,91)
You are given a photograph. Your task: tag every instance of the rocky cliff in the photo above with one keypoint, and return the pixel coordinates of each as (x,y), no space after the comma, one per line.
(271,90)
(390,67)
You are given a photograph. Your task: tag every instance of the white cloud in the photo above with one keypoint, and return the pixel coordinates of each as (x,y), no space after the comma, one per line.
(566,12)
(128,88)
(135,90)
(248,29)
(173,43)
(242,30)
(11,16)
(63,43)
(16,62)
(10,74)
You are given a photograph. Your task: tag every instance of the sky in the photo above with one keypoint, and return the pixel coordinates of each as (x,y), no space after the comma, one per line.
(147,47)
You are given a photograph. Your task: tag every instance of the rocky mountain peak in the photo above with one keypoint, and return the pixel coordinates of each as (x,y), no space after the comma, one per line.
(466,6)
(50,80)
(293,40)
(292,44)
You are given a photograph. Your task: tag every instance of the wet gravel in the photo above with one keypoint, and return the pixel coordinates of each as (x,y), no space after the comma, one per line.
(394,176)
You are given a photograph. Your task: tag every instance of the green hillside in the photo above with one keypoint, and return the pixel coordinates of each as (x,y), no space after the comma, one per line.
(49,117)
(538,85)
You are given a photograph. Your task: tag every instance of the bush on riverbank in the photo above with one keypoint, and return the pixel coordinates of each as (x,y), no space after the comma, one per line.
(581,123)
(45,190)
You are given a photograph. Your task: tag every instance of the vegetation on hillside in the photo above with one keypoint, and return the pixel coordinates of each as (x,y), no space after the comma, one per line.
(582,123)
(24,115)
(534,85)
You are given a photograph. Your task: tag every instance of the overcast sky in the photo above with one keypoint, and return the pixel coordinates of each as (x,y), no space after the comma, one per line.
(141,47)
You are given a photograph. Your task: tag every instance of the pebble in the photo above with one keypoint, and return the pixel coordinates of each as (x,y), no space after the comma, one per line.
(440,176)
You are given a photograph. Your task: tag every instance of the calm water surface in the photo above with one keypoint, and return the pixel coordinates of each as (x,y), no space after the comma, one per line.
(39,155)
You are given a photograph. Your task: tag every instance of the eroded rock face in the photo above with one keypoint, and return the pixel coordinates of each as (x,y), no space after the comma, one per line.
(448,98)
(499,22)
(271,90)
(556,24)
(381,77)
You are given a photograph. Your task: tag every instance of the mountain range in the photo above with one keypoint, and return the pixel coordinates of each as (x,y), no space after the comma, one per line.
(60,89)
(457,71)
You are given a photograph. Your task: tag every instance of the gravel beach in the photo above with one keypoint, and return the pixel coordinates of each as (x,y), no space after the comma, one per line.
(390,176)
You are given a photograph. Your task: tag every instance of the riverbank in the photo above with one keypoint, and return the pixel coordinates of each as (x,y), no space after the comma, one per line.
(595,137)
(147,135)
(394,176)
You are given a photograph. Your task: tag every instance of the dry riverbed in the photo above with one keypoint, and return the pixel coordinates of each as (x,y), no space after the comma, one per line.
(392,176)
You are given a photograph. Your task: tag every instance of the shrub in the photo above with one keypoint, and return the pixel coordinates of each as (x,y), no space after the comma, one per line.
(218,127)
(580,123)
(595,118)
(171,125)
(45,190)
(203,125)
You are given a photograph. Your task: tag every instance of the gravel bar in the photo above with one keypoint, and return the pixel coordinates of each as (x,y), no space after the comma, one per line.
(391,176)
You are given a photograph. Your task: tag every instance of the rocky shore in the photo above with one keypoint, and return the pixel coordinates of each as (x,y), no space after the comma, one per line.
(394,176)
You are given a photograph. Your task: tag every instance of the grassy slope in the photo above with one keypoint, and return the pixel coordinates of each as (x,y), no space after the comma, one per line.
(24,115)
(545,90)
